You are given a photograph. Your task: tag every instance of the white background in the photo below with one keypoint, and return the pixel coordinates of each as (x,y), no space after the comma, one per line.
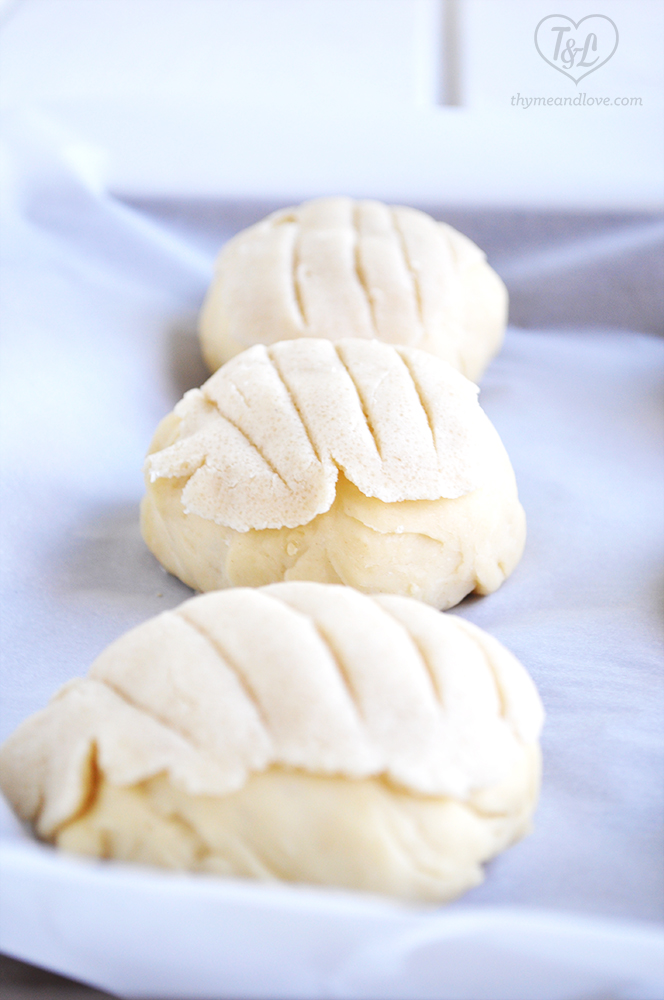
(99,307)
(290,98)
(268,99)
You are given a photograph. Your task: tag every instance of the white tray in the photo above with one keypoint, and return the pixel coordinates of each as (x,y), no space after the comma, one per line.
(99,311)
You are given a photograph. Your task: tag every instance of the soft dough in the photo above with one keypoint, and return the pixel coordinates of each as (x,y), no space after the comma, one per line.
(298,731)
(355,463)
(337,268)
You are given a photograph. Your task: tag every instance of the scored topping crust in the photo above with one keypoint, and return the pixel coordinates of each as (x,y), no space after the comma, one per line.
(262,441)
(334,268)
(302,675)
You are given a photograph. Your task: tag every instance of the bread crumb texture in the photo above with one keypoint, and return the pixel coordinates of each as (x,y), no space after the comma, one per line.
(352,462)
(298,731)
(335,268)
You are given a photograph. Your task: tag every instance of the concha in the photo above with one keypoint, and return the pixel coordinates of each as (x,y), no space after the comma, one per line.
(298,731)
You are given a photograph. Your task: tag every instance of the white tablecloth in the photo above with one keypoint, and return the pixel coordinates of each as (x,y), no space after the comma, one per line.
(99,308)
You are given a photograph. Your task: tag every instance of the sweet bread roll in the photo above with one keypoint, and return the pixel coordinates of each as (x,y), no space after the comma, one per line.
(337,268)
(355,463)
(299,732)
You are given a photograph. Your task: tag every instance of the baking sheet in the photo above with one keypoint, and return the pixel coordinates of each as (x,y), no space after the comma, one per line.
(99,307)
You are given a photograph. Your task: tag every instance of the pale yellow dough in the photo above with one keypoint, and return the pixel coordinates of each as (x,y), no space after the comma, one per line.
(337,268)
(355,463)
(299,731)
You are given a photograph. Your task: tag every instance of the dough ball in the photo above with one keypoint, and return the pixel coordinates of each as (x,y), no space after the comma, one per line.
(352,462)
(337,268)
(300,731)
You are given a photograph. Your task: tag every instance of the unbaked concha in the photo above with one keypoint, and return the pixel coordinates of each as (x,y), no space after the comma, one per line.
(352,462)
(337,268)
(299,731)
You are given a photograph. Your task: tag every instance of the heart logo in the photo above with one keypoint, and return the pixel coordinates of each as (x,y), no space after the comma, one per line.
(572,49)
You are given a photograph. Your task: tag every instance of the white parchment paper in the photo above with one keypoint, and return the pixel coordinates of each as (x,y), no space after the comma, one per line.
(98,314)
